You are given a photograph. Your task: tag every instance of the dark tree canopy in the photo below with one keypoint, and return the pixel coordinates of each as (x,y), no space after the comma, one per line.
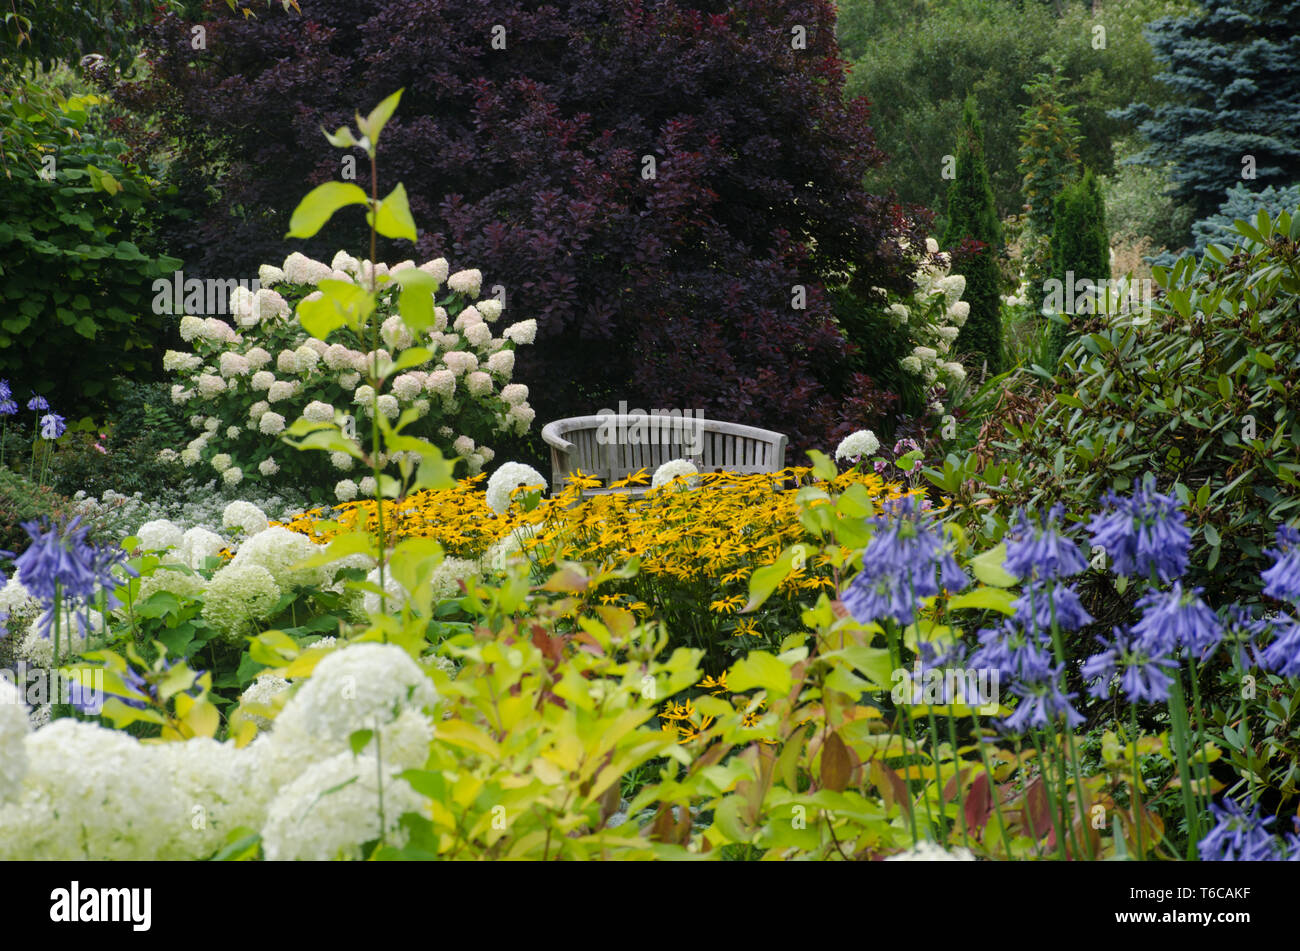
(531,163)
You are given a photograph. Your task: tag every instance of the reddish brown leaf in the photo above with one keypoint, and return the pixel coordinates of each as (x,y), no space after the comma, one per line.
(979,802)
(836,765)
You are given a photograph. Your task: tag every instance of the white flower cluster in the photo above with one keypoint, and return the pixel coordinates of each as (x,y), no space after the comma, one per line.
(506,479)
(925,851)
(244,389)
(673,469)
(75,790)
(932,317)
(856,446)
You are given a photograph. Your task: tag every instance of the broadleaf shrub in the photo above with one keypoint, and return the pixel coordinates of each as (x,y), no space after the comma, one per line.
(74,280)
(245,388)
(1203,394)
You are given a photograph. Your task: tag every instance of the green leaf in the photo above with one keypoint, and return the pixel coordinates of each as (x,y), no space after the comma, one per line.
(760,669)
(374,123)
(765,580)
(341,303)
(823,468)
(416,303)
(319,206)
(988,567)
(359,740)
(984,598)
(394,219)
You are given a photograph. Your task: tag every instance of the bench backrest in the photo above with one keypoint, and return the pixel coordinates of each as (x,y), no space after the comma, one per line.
(612,447)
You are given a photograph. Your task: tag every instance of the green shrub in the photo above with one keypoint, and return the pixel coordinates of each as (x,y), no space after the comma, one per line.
(74,280)
(1202,392)
(1080,244)
(20,501)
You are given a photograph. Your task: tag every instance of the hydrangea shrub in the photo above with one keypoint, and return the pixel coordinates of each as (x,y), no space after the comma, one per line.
(246,384)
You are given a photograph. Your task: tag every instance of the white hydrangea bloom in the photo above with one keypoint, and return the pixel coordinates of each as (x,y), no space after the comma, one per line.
(268,466)
(899,311)
(236,596)
(932,245)
(478,335)
(437,268)
(463,445)
(233,476)
(218,331)
(490,309)
(262,692)
(501,552)
(925,851)
(460,362)
(233,432)
(343,261)
(925,354)
(364,394)
(14,727)
(671,469)
(506,479)
(269,275)
(211,424)
(349,380)
(222,461)
(287,361)
(159,535)
(395,333)
(857,445)
(524,332)
(244,516)
(307,357)
(521,416)
(514,393)
(359,687)
(345,490)
(502,363)
(478,383)
(74,626)
(257,409)
(279,551)
(955,371)
(408,386)
(953,286)
(338,357)
(199,544)
(958,312)
(332,810)
(441,383)
(269,305)
(300,269)
(191,327)
(210,385)
(189,458)
(101,785)
(183,584)
(281,390)
(262,380)
(466,282)
(341,461)
(180,395)
(912,365)
(947,334)
(318,412)
(271,424)
(368,487)
(439,319)
(468,318)
(389,406)
(176,362)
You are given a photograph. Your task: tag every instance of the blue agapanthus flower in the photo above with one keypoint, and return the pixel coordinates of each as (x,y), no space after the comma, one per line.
(8,407)
(5,392)
(1013,651)
(1042,703)
(1238,836)
(1282,580)
(91,701)
(1174,618)
(60,565)
(1044,603)
(1143,534)
(1146,674)
(1283,655)
(1042,552)
(905,562)
(52,426)
(38,403)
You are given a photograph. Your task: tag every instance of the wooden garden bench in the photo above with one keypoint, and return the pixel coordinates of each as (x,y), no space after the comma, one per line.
(612,447)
